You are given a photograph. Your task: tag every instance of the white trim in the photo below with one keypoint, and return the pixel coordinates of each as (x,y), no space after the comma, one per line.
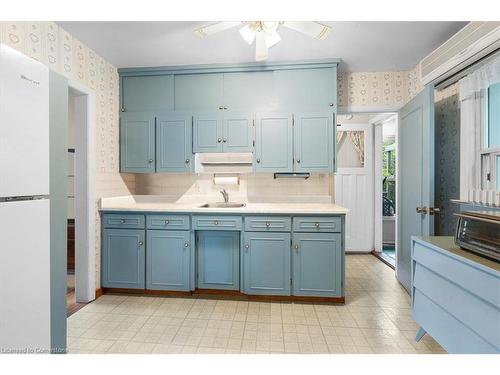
(369,109)
(85,208)
(377,185)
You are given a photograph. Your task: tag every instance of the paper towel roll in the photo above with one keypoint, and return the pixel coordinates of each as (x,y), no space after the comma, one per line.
(226,180)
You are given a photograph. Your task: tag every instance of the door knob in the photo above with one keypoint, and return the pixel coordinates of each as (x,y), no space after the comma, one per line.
(421,210)
(434,210)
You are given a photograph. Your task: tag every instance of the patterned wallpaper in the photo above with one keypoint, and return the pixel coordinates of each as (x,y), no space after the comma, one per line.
(61,52)
(447,159)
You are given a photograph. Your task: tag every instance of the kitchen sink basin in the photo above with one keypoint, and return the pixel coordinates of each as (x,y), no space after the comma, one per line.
(223,205)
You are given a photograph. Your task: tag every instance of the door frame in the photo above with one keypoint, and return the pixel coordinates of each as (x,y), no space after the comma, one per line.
(85,191)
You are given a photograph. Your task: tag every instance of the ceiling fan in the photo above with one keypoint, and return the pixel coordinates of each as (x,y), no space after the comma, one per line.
(265,33)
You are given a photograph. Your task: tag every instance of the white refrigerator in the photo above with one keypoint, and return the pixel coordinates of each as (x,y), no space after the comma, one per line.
(24,204)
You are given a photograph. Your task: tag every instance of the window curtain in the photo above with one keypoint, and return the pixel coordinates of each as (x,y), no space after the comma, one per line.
(472,119)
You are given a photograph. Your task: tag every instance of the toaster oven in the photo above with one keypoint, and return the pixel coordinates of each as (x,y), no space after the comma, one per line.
(479,232)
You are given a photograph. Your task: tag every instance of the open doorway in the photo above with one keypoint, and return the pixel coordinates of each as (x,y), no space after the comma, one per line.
(80,278)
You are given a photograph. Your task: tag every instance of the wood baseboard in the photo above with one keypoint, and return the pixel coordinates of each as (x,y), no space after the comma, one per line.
(377,255)
(98,293)
(225,294)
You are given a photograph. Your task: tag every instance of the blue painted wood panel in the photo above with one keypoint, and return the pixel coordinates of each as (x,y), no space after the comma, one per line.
(218,260)
(274,143)
(148,93)
(266,262)
(306,89)
(137,142)
(199,92)
(123,221)
(317,224)
(317,264)
(207,132)
(123,258)
(268,223)
(170,222)
(238,134)
(249,90)
(168,260)
(314,141)
(174,142)
(217,222)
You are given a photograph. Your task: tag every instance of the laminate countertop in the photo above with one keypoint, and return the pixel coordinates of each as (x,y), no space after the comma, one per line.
(148,203)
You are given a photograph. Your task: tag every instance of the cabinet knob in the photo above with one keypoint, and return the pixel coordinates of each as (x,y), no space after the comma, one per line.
(150,161)
(187,161)
(221,107)
(298,161)
(219,140)
(141,243)
(331,104)
(317,225)
(258,160)
(186,244)
(122,109)
(224,140)
(247,247)
(225,107)
(123,221)
(268,225)
(167,222)
(216,222)
(296,247)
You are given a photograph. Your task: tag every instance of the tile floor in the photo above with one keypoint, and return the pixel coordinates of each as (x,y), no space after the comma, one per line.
(375,319)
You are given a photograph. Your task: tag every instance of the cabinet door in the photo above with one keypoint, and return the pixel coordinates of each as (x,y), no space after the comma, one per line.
(306,89)
(218,260)
(314,142)
(168,260)
(237,132)
(317,264)
(207,128)
(173,143)
(244,90)
(123,256)
(199,92)
(148,93)
(274,143)
(137,142)
(266,263)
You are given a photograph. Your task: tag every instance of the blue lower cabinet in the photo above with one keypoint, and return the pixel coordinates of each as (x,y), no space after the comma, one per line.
(266,263)
(317,264)
(168,260)
(218,260)
(123,257)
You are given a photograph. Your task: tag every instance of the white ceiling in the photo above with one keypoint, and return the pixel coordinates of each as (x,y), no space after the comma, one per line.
(362,46)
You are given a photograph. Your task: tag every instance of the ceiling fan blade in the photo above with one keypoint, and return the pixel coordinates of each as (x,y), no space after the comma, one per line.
(215,28)
(271,38)
(260,47)
(315,29)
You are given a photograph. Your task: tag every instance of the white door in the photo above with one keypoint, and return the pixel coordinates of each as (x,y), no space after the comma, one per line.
(354,183)
(25,275)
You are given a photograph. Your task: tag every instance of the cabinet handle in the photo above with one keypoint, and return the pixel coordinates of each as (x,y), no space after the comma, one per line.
(141,243)
(298,161)
(221,107)
(219,140)
(216,222)
(186,244)
(167,222)
(187,161)
(258,160)
(224,140)
(150,161)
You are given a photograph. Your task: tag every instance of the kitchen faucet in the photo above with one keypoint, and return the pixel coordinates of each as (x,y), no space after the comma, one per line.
(225,195)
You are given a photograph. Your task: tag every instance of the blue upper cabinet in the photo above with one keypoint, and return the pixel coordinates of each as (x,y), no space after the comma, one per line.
(147,93)
(137,142)
(199,92)
(273,143)
(173,142)
(245,91)
(314,142)
(238,134)
(207,132)
(317,264)
(306,89)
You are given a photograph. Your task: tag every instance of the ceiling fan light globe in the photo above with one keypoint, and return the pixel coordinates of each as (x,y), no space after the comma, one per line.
(248,34)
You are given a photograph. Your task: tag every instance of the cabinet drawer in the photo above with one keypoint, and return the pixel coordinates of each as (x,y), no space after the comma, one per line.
(126,221)
(217,222)
(317,224)
(268,223)
(175,222)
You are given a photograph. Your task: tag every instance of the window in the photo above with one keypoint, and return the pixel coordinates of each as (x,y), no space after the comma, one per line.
(490,150)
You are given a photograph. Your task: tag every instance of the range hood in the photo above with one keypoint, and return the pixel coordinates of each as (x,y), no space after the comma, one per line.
(227,162)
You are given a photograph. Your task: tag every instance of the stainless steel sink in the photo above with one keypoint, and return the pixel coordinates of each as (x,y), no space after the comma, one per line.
(223,205)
